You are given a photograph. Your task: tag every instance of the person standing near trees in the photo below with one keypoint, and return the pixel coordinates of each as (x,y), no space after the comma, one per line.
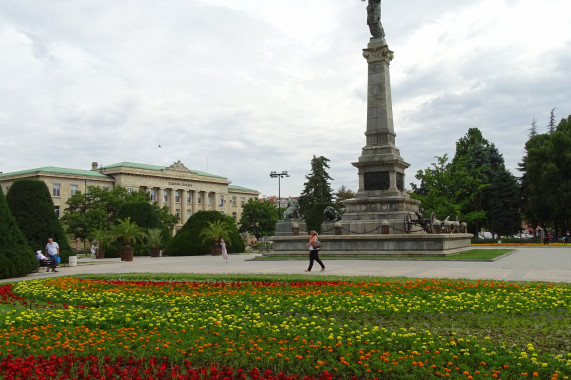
(314,246)
(223,249)
(52,250)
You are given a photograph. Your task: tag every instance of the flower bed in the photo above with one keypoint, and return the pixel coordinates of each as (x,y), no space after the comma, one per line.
(72,328)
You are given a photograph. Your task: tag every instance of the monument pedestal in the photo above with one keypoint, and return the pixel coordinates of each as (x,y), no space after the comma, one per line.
(288,227)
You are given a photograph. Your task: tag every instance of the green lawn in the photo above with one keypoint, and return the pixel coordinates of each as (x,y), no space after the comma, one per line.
(471,255)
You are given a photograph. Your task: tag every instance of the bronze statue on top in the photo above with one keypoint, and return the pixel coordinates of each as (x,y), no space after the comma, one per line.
(374,19)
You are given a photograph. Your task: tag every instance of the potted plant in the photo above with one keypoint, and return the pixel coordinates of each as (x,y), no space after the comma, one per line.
(104,238)
(213,233)
(154,237)
(130,232)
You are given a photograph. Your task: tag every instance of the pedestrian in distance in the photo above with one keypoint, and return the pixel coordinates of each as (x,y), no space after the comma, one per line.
(314,246)
(224,250)
(52,251)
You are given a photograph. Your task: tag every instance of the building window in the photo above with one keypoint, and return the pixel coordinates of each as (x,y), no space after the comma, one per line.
(234,215)
(177,196)
(56,190)
(221,201)
(153,195)
(188,197)
(73,189)
(56,209)
(165,196)
(209,198)
(234,201)
(242,201)
(177,213)
(188,214)
(129,191)
(199,198)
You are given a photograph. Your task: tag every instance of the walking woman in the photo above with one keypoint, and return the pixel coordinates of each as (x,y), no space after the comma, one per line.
(223,248)
(314,245)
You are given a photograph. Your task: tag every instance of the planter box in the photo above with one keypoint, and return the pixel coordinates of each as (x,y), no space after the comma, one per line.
(72,261)
(155,252)
(127,253)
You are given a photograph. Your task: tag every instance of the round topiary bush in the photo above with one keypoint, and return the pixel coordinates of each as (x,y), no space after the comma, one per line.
(33,209)
(16,257)
(187,241)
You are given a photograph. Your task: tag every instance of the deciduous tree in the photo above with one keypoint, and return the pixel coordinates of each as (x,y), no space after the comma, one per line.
(259,218)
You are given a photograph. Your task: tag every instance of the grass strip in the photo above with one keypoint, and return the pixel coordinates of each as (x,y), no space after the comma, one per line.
(472,255)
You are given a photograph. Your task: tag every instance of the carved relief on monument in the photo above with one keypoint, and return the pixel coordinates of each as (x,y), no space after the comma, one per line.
(379,54)
(377,181)
(179,166)
(400,181)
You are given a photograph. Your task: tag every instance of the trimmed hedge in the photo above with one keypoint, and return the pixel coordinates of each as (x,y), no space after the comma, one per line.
(16,257)
(187,241)
(33,209)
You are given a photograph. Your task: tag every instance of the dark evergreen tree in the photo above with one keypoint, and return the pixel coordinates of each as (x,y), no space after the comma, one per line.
(144,215)
(314,217)
(546,178)
(259,218)
(483,162)
(503,203)
(316,188)
(33,209)
(140,212)
(533,128)
(551,125)
(187,241)
(17,258)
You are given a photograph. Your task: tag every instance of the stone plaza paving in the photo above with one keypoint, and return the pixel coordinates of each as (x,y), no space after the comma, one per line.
(537,263)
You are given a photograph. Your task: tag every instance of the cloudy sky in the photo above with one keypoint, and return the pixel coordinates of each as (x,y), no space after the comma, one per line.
(240,88)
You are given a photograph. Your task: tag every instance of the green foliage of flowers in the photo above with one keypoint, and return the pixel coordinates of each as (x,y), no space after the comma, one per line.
(389,329)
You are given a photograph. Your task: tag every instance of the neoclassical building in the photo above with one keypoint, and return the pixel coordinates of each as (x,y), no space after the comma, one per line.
(183,190)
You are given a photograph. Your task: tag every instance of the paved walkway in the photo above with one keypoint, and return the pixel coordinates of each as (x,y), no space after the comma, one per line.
(525,264)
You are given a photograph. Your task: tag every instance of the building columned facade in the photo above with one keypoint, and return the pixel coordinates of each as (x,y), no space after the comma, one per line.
(183,190)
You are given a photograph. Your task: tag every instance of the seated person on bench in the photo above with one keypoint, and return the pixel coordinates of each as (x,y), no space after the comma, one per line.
(43,260)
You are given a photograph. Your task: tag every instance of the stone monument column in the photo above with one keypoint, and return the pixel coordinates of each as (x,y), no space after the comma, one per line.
(160,196)
(381,195)
(172,201)
(193,201)
(183,206)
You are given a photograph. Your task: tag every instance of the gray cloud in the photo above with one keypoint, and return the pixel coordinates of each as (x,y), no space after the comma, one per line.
(243,88)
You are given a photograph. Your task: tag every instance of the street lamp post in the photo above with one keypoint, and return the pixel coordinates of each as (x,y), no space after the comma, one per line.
(279,176)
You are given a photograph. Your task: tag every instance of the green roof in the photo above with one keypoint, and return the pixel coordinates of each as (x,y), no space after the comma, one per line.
(135,165)
(56,170)
(240,188)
